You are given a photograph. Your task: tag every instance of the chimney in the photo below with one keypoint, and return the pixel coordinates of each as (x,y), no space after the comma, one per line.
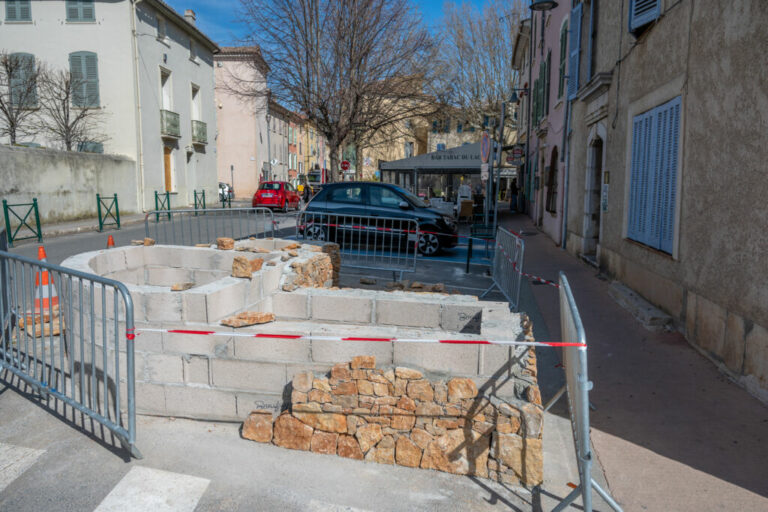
(189,15)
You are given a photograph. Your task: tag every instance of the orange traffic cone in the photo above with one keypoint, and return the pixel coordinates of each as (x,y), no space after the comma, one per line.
(110,242)
(44,298)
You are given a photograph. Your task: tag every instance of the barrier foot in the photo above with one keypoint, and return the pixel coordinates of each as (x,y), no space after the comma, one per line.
(552,401)
(486,292)
(607,497)
(569,499)
(131,449)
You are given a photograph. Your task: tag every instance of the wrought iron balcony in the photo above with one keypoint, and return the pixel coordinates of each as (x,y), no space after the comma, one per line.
(169,124)
(199,132)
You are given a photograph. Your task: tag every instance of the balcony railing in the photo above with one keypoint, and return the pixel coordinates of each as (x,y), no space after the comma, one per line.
(169,124)
(199,132)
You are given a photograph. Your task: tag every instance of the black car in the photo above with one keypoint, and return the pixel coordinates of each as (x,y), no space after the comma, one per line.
(371,212)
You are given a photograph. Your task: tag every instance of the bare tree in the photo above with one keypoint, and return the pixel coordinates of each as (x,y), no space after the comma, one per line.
(351,66)
(18,95)
(69,112)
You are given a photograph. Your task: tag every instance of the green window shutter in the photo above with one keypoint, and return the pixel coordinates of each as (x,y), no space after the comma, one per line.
(563,59)
(20,80)
(80,10)
(83,67)
(73,10)
(18,10)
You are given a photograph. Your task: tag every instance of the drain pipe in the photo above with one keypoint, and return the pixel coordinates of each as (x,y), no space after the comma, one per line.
(137,98)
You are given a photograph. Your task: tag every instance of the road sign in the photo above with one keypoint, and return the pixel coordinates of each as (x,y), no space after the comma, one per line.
(485,147)
(517,152)
(484,172)
(345,165)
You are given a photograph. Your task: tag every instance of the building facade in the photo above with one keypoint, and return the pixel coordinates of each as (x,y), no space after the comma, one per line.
(150,72)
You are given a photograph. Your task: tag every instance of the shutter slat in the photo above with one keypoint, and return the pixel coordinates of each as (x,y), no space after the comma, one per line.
(574,50)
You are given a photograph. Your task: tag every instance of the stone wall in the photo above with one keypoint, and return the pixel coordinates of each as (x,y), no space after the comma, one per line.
(399,416)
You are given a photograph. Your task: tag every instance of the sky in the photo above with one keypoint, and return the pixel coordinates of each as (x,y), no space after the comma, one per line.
(218,20)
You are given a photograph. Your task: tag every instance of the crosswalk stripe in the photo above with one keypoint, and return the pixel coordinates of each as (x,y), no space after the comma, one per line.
(15,460)
(145,489)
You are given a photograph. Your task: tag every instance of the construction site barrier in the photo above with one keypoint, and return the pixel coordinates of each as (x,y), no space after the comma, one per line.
(367,242)
(69,336)
(22,217)
(577,387)
(162,204)
(191,227)
(108,209)
(507,266)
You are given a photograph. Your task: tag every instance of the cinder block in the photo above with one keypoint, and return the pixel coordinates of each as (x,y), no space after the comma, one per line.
(150,398)
(162,256)
(196,370)
(499,386)
(496,360)
(247,402)
(200,403)
(219,346)
(407,313)
(344,309)
(163,307)
(106,262)
(248,375)
(164,368)
(464,319)
(164,276)
(196,258)
(134,257)
(227,299)
(194,306)
(451,359)
(266,349)
(254,292)
(270,278)
(148,341)
(291,304)
(340,351)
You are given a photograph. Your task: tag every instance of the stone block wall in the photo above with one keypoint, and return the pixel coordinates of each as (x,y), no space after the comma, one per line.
(399,416)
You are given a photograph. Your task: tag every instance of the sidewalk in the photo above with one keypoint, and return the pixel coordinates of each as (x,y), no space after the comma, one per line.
(670,431)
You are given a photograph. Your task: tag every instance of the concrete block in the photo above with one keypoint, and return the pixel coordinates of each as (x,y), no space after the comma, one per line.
(344,309)
(219,346)
(194,306)
(164,276)
(163,307)
(756,355)
(148,341)
(734,343)
(164,368)
(196,370)
(162,256)
(266,349)
(710,326)
(499,386)
(247,402)
(450,359)
(341,351)
(291,305)
(108,261)
(200,403)
(196,258)
(495,359)
(248,375)
(270,278)
(134,257)
(464,319)
(226,299)
(150,398)
(254,292)
(408,313)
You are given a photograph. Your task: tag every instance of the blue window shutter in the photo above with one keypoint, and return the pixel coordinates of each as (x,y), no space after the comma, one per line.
(668,175)
(642,12)
(574,48)
(591,40)
(73,10)
(18,10)
(83,67)
(91,80)
(21,80)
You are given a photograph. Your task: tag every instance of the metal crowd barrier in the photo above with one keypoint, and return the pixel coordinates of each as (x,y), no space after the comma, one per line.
(507,266)
(190,227)
(376,243)
(69,336)
(577,386)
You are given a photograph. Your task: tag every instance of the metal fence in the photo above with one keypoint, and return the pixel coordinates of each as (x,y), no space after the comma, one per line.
(577,385)
(69,336)
(190,227)
(22,220)
(108,208)
(507,266)
(377,243)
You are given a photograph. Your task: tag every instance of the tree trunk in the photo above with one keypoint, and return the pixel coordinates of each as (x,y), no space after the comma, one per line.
(333,174)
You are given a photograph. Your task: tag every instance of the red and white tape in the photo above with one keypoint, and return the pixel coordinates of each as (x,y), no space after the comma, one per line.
(312,337)
(530,276)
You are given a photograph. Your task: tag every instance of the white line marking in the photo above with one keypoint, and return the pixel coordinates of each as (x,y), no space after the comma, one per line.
(15,460)
(144,489)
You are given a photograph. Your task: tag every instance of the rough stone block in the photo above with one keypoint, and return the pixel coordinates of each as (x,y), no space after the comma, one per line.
(196,370)
(164,368)
(291,305)
(464,319)
(258,426)
(248,376)
(345,309)
(408,313)
(200,403)
(451,359)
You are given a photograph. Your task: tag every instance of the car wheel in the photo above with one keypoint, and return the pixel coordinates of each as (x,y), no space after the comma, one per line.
(315,232)
(429,244)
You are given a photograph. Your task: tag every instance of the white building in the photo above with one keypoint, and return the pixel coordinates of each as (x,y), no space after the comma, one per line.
(153,70)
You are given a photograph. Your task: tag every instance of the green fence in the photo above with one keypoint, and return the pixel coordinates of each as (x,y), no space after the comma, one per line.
(108,209)
(162,202)
(22,216)
(199,201)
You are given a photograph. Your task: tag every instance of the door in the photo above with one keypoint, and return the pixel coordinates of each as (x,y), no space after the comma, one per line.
(594,186)
(167,165)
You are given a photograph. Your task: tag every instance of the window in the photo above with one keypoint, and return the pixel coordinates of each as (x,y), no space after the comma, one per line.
(195,103)
(459,127)
(653,180)
(84,70)
(552,183)
(642,12)
(18,10)
(383,197)
(351,194)
(192,50)
(165,86)
(80,10)
(162,29)
(575,49)
(434,126)
(446,126)
(408,149)
(563,59)
(23,82)
(441,146)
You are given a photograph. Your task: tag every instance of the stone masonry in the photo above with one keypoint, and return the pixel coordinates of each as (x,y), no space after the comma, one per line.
(399,416)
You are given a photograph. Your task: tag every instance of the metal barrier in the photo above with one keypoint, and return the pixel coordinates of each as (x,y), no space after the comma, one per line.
(8,210)
(377,243)
(75,346)
(507,266)
(163,203)
(111,209)
(191,227)
(577,386)
(199,200)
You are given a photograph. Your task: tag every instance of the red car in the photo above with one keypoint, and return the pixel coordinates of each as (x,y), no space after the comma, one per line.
(276,194)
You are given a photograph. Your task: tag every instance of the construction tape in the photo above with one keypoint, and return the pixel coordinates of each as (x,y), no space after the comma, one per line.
(312,337)
(519,271)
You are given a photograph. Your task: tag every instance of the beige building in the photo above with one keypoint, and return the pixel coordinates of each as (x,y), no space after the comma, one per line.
(667,155)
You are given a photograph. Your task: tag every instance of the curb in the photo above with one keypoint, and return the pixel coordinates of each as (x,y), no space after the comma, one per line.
(53,233)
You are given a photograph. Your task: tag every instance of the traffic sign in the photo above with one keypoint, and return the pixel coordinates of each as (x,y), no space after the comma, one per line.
(485,147)
(517,152)
(484,172)
(345,165)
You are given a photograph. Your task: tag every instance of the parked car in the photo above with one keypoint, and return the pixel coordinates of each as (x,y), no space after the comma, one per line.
(276,194)
(226,192)
(376,200)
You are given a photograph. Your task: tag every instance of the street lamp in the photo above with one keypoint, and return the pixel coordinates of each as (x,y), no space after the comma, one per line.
(542,5)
